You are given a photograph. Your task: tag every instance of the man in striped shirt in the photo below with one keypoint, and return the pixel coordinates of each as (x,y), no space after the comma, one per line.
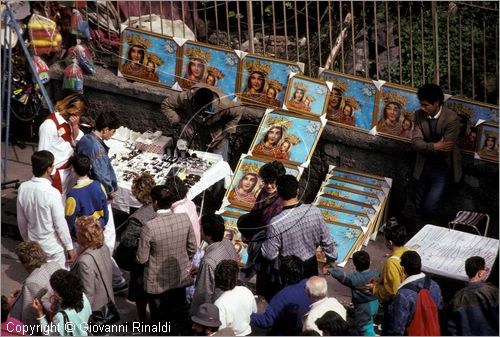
(298,230)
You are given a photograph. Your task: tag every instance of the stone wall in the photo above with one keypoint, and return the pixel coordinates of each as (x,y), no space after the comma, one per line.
(138,105)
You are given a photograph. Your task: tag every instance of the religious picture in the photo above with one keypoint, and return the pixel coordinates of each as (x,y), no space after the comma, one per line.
(356,186)
(348,239)
(204,63)
(352,100)
(468,139)
(470,112)
(246,183)
(333,203)
(344,217)
(263,80)
(232,233)
(487,147)
(396,113)
(359,176)
(344,193)
(306,95)
(287,137)
(148,57)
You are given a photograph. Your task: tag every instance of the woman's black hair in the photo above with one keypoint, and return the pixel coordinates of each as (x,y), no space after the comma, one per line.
(69,288)
(270,172)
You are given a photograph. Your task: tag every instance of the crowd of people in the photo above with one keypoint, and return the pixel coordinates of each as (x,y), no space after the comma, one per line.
(185,272)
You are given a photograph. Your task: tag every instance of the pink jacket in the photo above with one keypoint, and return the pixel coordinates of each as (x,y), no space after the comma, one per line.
(13,327)
(187,206)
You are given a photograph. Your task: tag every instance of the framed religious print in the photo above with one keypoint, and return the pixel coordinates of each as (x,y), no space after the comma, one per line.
(348,239)
(395,113)
(352,100)
(359,176)
(334,203)
(212,65)
(263,80)
(232,233)
(234,210)
(306,95)
(148,57)
(246,183)
(347,194)
(344,217)
(287,137)
(358,186)
(487,147)
(470,112)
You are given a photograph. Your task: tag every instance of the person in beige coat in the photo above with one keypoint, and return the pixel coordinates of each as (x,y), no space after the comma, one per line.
(93,265)
(203,116)
(435,139)
(34,260)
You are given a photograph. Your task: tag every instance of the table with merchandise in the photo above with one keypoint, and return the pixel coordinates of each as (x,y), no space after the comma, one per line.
(130,157)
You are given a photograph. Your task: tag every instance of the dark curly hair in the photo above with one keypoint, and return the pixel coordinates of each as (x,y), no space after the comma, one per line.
(292,269)
(226,274)
(142,186)
(332,324)
(270,172)
(69,288)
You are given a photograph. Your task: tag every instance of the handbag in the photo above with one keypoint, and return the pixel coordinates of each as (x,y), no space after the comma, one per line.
(125,257)
(107,314)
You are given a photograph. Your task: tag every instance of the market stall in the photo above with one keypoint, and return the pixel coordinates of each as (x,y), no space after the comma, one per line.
(132,154)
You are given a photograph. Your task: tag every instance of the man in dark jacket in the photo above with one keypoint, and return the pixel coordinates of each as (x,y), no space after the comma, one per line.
(435,139)
(474,309)
(205,114)
(403,307)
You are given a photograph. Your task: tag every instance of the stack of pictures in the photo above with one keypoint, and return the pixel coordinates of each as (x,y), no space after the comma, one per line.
(353,205)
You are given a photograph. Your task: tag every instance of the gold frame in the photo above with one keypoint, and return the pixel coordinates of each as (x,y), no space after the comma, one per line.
(241,205)
(140,79)
(239,85)
(479,142)
(360,79)
(377,108)
(180,61)
(354,248)
(293,115)
(307,79)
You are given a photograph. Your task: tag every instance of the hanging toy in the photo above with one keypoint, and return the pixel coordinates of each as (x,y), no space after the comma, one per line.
(73,78)
(45,37)
(79,26)
(83,56)
(41,68)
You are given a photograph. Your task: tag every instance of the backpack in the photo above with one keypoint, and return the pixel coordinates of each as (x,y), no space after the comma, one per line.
(425,322)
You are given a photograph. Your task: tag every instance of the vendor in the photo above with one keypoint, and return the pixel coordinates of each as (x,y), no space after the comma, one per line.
(203,114)
(59,134)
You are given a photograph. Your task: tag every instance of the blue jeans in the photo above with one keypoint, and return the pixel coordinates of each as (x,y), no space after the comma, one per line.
(429,190)
(364,314)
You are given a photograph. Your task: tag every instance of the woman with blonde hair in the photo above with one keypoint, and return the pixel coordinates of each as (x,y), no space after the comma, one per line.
(93,264)
(59,134)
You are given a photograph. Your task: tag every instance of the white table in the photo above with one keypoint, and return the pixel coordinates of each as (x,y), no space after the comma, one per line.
(124,199)
(444,251)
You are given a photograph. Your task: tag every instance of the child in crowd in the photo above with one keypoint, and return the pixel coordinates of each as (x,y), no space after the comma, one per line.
(87,197)
(10,325)
(365,304)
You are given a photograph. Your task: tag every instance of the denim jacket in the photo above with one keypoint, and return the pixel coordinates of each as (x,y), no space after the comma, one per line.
(94,148)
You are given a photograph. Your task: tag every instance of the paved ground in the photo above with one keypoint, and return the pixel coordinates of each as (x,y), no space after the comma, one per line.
(13,274)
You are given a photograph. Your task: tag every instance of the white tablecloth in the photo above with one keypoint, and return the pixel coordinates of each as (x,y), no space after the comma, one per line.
(444,251)
(220,170)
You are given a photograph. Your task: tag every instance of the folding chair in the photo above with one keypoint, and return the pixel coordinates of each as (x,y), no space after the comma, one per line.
(471,220)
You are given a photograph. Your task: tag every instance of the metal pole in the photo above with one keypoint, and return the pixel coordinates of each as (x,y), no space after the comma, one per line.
(9,90)
(13,24)
(251,48)
(435,41)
